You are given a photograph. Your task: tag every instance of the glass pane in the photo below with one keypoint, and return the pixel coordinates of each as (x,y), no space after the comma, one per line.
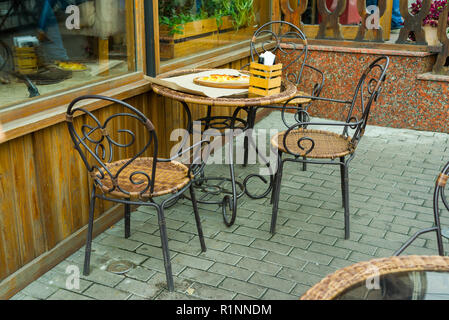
(193,26)
(48,46)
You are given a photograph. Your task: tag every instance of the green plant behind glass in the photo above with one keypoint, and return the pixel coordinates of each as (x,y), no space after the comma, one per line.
(175,13)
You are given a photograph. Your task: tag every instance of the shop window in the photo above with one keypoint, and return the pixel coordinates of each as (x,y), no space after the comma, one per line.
(189,27)
(49,46)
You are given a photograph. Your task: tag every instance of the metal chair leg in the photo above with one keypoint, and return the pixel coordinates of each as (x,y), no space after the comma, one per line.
(127,220)
(86,269)
(342,174)
(165,250)
(197,219)
(346,201)
(276,194)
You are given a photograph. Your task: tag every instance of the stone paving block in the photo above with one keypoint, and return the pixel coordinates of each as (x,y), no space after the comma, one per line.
(39,290)
(381,243)
(218,256)
(194,262)
(159,282)
(359,256)
(142,237)
(150,251)
(208,278)
(283,260)
(329,250)
(140,273)
(299,290)
(176,296)
(355,246)
(204,291)
(138,288)
(316,237)
(59,280)
(243,297)
(252,232)
(193,249)
(311,256)
(100,292)
(103,277)
(234,238)
(290,241)
(158,265)
(62,294)
(121,243)
(22,296)
(243,287)
(302,277)
(110,252)
(307,225)
(338,233)
(319,269)
(271,246)
(212,244)
(230,271)
(260,266)
(207,230)
(264,280)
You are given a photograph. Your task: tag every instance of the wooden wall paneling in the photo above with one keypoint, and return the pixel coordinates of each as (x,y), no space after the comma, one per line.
(10,257)
(26,198)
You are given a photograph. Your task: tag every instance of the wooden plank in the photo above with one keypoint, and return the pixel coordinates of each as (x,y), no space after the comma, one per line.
(10,258)
(130,35)
(33,270)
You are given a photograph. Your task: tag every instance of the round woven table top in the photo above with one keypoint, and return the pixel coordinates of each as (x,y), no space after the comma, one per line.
(338,282)
(288,91)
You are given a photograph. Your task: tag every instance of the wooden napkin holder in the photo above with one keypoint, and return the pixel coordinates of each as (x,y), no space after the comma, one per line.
(265,80)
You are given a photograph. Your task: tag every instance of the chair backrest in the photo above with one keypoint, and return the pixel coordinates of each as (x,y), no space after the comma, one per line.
(290,47)
(367,91)
(97,142)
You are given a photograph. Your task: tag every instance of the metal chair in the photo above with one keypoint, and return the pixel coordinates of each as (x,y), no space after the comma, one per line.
(440,184)
(289,44)
(136,180)
(312,146)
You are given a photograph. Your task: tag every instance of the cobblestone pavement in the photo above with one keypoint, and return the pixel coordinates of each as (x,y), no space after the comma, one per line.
(391,184)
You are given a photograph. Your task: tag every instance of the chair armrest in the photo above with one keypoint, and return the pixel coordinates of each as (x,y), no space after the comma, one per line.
(319,98)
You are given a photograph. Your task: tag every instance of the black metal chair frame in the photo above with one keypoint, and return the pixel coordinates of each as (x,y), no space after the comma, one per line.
(293,37)
(358,125)
(440,184)
(98,171)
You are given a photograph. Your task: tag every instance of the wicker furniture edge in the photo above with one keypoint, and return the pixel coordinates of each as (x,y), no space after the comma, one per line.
(288,92)
(336,283)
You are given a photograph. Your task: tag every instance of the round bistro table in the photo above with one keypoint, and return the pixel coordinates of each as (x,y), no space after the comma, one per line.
(394,278)
(250,105)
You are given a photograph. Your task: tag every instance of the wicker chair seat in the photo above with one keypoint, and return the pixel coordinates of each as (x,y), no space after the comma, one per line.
(170,178)
(300,100)
(328,145)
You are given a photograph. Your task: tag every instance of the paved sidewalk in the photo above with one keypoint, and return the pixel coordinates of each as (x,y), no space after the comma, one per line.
(391,183)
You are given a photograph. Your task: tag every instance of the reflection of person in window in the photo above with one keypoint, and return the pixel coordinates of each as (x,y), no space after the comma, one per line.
(49,34)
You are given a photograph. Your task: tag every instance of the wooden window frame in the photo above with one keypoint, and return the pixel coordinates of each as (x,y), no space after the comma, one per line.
(136,48)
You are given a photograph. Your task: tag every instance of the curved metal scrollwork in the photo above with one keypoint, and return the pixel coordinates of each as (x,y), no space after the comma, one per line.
(288,40)
(96,147)
(368,88)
